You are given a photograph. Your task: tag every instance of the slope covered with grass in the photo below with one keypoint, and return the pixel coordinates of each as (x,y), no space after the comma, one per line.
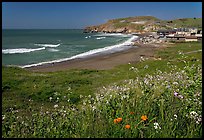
(150,99)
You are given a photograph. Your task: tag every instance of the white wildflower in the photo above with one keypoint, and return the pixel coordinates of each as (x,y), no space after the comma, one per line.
(156,126)
(175,116)
(175,83)
(55,106)
(3,117)
(146,67)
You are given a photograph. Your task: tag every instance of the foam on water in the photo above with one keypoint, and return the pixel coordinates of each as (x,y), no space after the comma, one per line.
(20,50)
(88,37)
(48,45)
(114,34)
(100,37)
(53,50)
(114,48)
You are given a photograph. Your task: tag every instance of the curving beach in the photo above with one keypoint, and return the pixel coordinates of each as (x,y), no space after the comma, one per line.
(100,62)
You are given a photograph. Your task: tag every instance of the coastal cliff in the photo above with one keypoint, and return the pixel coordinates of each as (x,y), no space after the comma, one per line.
(142,24)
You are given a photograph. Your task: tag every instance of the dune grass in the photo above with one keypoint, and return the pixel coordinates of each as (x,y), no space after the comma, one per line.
(152,99)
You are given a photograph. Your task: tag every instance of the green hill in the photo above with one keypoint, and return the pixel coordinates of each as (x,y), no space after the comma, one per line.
(143,24)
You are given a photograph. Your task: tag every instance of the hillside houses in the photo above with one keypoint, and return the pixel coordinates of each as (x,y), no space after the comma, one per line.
(181,34)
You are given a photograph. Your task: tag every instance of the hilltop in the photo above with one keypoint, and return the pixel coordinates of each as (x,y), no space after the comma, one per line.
(141,24)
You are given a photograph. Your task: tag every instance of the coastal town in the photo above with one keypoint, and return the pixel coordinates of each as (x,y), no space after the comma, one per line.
(153,30)
(171,36)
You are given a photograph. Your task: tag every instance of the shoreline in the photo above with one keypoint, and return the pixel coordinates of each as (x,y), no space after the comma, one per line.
(102,61)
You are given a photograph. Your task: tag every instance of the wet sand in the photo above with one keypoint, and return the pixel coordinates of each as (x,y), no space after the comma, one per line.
(101,62)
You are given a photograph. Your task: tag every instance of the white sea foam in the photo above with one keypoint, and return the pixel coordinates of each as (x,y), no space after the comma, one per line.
(113,34)
(88,37)
(20,50)
(100,37)
(48,45)
(108,49)
(53,50)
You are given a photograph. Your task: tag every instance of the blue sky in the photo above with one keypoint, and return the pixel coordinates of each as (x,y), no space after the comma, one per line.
(75,15)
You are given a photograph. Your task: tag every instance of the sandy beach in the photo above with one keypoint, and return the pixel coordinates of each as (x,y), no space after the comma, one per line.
(101,62)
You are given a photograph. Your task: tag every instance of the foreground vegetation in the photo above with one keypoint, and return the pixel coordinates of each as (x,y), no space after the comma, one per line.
(151,99)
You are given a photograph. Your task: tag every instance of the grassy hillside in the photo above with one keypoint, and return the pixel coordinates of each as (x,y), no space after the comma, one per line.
(131,23)
(155,98)
(186,22)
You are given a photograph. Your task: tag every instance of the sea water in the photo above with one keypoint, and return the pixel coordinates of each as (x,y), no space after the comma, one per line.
(31,47)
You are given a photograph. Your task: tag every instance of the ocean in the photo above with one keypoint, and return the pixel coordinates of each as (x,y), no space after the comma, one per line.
(32,47)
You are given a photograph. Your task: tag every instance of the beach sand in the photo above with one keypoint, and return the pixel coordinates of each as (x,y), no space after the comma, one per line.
(101,62)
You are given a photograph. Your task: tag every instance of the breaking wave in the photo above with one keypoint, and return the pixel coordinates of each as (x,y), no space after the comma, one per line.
(20,50)
(48,45)
(100,37)
(109,49)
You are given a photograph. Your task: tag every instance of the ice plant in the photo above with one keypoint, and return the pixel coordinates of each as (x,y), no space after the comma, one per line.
(127,126)
(144,117)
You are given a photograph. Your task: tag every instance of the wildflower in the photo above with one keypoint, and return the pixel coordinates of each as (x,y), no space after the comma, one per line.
(175,116)
(146,67)
(131,113)
(3,117)
(115,121)
(175,83)
(118,120)
(175,94)
(144,117)
(156,126)
(55,106)
(180,96)
(127,126)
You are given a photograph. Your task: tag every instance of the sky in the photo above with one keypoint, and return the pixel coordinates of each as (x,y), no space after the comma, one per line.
(78,15)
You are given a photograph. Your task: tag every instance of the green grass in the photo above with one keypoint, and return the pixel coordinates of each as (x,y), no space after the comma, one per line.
(187,23)
(89,100)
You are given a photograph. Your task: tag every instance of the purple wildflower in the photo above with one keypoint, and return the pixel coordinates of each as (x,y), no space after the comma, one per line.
(175,94)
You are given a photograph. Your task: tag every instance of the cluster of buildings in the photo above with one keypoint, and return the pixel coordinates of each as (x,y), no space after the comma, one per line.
(181,34)
(175,35)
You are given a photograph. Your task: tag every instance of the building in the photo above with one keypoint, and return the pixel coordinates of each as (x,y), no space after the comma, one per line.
(191,38)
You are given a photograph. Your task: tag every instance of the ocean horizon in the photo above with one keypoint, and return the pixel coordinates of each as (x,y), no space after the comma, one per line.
(32,47)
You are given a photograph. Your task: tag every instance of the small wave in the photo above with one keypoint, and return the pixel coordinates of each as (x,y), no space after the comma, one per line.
(100,37)
(20,50)
(48,45)
(109,49)
(88,37)
(53,50)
